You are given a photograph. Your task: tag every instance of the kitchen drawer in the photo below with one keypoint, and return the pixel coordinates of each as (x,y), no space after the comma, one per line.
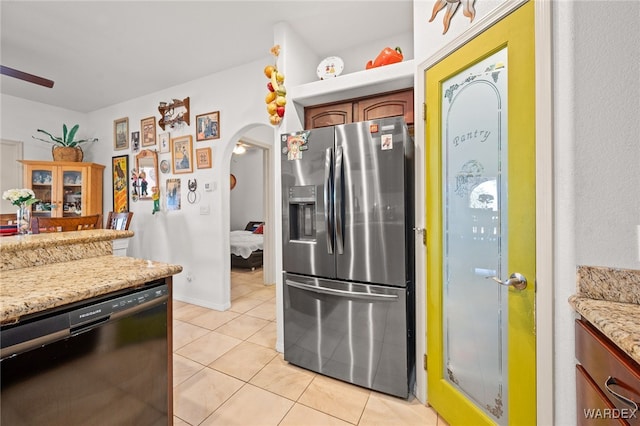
(592,403)
(602,360)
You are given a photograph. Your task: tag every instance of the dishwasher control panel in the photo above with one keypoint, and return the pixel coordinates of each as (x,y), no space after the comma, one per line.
(100,310)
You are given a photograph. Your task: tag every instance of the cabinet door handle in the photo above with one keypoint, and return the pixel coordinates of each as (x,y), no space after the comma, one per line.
(612,381)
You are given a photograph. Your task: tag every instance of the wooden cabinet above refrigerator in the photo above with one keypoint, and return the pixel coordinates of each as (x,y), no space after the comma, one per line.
(383,105)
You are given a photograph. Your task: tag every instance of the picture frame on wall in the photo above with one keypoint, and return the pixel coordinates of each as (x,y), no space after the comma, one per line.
(135,142)
(121,134)
(208,126)
(120,183)
(148,127)
(173,194)
(164,140)
(203,158)
(182,154)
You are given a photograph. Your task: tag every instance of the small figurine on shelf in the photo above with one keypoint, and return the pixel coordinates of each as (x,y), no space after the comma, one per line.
(134,181)
(155,196)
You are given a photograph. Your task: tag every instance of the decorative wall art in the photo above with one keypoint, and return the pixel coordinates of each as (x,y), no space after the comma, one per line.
(192,195)
(173,194)
(121,133)
(165,141)
(203,158)
(120,179)
(165,167)
(452,5)
(330,67)
(174,113)
(181,154)
(147,174)
(276,95)
(148,126)
(135,142)
(208,126)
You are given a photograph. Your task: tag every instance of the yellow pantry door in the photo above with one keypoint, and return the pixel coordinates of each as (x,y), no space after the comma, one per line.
(480,151)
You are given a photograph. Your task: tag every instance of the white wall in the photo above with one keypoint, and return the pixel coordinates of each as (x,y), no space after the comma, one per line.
(428,37)
(596,69)
(197,240)
(247,198)
(20,120)
(607,128)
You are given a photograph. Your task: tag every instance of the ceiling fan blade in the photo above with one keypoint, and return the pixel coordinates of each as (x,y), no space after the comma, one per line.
(26,76)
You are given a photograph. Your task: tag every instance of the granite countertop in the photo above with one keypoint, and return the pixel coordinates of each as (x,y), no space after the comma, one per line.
(31,290)
(28,242)
(45,271)
(609,298)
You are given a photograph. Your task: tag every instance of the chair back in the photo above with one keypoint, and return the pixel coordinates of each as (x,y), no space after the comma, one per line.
(64,224)
(119,221)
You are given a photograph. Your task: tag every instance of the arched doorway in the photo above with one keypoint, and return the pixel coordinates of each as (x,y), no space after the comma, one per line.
(256,139)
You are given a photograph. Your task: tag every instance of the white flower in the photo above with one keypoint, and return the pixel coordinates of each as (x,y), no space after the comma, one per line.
(19,196)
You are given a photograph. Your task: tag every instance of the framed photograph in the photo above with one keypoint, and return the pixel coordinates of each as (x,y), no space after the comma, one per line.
(121,134)
(208,126)
(181,154)
(173,194)
(120,179)
(203,158)
(164,140)
(135,142)
(148,126)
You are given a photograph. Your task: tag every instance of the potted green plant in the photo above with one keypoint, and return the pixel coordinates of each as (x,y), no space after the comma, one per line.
(66,147)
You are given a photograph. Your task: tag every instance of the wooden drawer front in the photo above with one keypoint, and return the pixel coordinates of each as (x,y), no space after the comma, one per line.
(592,404)
(593,407)
(602,359)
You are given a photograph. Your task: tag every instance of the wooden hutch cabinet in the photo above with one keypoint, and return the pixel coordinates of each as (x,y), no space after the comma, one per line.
(389,104)
(64,188)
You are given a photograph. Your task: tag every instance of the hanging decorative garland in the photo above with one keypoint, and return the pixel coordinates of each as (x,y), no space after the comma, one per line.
(276,98)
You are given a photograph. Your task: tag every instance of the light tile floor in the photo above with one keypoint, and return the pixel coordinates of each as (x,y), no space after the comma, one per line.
(226,371)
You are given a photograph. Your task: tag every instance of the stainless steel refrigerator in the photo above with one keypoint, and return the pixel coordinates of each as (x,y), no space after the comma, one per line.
(348,255)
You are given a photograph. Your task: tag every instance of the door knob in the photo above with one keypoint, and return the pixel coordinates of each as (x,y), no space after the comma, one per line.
(516,280)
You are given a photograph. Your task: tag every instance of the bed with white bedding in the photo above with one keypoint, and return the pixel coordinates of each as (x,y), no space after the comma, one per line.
(247,246)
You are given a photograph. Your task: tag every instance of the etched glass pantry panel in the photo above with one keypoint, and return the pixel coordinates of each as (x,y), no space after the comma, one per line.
(474,147)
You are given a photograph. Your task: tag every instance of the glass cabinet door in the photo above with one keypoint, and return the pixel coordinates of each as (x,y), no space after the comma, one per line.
(71,197)
(43,181)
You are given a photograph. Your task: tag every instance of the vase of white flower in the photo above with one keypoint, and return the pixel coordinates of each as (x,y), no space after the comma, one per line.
(23,217)
(23,198)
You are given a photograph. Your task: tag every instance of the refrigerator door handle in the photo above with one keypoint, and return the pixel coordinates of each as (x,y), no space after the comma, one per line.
(338,189)
(328,199)
(345,293)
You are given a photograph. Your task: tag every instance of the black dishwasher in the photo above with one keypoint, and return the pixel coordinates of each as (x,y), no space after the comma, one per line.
(100,362)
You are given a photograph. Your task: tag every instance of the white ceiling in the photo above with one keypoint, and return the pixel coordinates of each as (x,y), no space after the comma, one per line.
(100,53)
